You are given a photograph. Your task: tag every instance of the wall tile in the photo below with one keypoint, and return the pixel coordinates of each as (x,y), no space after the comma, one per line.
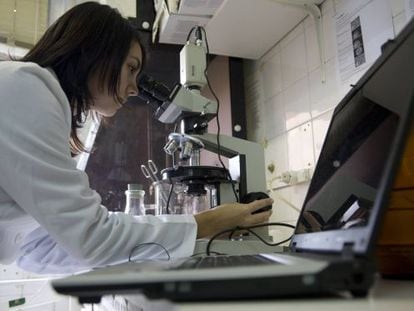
(297,107)
(312,48)
(397,6)
(299,194)
(324,95)
(320,126)
(294,61)
(282,211)
(292,35)
(276,155)
(272,76)
(288,203)
(399,22)
(293,95)
(277,48)
(275,116)
(300,147)
(328,21)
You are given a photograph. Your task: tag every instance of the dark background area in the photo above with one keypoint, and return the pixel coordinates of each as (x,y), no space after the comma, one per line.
(133,136)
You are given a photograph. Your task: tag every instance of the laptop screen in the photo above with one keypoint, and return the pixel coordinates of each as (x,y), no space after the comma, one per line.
(344,187)
(355,172)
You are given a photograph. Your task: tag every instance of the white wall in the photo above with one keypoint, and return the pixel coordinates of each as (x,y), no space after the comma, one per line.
(288,106)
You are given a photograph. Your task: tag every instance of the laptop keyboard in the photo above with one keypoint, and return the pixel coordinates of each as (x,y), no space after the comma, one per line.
(224,261)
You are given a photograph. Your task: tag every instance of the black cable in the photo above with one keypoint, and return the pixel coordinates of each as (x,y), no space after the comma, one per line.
(146,244)
(264,241)
(167,208)
(218,139)
(205,36)
(217,120)
(189,34)
(215,253)
(282,224)
(214,237)
(248,228)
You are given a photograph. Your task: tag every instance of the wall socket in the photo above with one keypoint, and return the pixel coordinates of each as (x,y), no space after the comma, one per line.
(296,177)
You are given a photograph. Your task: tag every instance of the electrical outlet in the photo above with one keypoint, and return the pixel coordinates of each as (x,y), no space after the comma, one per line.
(296,177)
(286,177)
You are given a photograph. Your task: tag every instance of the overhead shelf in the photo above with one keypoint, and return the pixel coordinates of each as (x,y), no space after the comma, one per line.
(238,28)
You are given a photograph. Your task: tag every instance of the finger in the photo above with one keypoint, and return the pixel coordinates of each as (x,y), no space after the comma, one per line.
(258,204)
(259,218)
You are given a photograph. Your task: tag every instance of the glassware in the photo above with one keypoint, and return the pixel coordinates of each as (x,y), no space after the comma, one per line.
(180,201)
(135,200)
(150,209)
(163,197)
(197,202)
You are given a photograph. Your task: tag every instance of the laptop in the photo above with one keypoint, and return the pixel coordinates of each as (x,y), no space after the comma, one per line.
(332,249)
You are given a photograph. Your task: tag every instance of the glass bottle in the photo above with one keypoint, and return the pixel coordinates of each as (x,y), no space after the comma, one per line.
(135,200)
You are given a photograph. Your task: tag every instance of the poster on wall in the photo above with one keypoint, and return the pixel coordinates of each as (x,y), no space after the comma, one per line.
(409,9)
(361,29)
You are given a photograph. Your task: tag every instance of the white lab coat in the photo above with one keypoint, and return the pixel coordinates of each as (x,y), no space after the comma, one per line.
(50,219)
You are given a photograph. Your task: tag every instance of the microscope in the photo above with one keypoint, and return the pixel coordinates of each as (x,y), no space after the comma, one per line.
(205,186)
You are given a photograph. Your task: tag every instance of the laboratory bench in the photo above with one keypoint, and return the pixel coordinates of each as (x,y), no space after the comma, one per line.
(387,294)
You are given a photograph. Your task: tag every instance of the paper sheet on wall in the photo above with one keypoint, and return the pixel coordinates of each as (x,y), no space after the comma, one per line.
(409,9)
(361,29)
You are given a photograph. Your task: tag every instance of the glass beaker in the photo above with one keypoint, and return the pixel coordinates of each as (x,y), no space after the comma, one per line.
(195,203)
(203,199)
(169,200)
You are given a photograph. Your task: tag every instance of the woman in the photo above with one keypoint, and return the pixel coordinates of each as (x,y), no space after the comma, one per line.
(50,220)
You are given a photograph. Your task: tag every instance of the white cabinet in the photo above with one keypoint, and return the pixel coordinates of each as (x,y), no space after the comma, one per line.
(239,28)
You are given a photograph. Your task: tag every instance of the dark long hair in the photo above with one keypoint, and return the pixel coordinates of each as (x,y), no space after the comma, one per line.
(89,38)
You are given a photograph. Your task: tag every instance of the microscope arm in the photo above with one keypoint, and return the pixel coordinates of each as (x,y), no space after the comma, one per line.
(231,147)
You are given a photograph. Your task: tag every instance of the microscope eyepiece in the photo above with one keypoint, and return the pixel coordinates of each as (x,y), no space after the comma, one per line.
(159,91)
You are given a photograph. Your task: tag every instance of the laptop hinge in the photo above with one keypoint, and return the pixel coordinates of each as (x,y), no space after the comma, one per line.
(348,250)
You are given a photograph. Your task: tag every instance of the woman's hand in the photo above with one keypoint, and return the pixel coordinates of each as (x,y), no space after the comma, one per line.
(230,215)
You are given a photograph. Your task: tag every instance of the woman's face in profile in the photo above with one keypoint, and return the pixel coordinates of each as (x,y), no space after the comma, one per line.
(103,102)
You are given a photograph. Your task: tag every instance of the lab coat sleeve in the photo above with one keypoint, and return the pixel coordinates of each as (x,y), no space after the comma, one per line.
(41,254)
(38,172)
